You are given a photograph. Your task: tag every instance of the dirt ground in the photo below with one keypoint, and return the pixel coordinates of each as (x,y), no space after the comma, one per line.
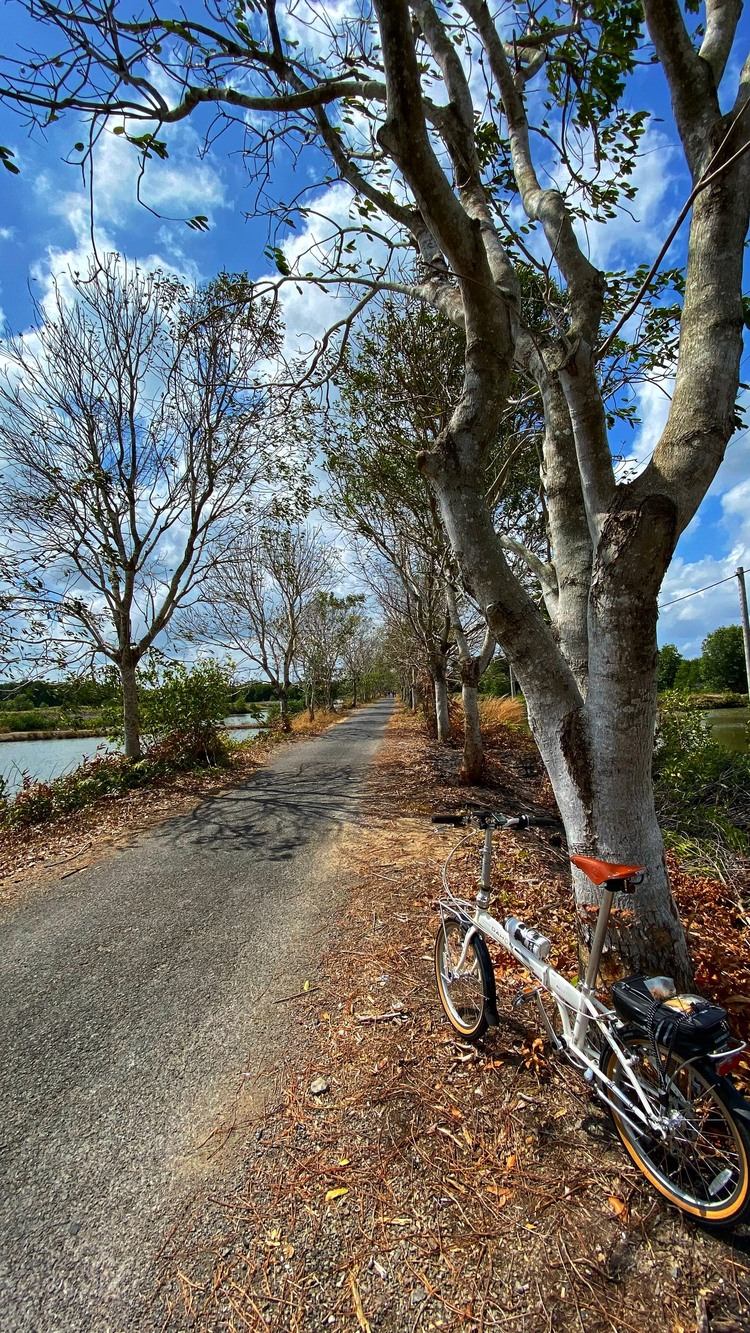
(401,1180)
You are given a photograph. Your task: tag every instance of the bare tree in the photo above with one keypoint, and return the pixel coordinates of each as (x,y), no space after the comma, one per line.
(363,657)
(443,154)
(327,624)
(255,598)
(132,432)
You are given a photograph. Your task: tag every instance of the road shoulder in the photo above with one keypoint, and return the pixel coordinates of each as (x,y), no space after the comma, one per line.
(433,1185)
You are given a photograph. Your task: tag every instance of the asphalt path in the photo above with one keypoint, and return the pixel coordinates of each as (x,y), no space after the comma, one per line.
(135,998)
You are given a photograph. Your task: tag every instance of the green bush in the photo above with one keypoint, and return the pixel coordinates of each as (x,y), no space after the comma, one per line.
(182,714)
(95,779)
(34,720)
(702,790)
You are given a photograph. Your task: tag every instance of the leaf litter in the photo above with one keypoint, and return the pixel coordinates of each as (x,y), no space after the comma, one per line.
(439,1185)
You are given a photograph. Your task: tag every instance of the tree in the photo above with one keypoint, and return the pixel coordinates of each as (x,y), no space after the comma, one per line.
(723,660)
(255,598)
(689,675)
(446,162)
(362,655)
(327,624)
(132,434)
(474,658)
(396,388)
(669,662)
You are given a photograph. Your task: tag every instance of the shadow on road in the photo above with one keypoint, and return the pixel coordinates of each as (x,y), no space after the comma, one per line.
(304,793)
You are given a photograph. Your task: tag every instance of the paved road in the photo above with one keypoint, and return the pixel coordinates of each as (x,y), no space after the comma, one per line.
(133,997)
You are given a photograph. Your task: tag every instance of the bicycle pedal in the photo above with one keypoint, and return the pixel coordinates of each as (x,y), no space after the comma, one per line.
(524,996)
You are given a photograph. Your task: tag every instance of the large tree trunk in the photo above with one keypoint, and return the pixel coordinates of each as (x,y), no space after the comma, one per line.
(594,727)
(130,714)
(472,768)
(599,761)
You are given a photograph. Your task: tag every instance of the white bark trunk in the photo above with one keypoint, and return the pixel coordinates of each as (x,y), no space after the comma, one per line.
(472,768)
(442,718)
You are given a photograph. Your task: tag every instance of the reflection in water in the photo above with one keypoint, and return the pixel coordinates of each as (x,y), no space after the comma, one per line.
(729,727)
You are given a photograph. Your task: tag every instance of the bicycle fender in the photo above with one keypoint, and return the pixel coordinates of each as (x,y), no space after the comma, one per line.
(488,977)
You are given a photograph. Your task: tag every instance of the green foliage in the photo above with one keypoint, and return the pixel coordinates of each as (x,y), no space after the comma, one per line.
(689,675)
(496,680)
(702,789)
(5,158)
(47,719)
(723,662)
(182,710)
(669,662)
(96,779)
(294,706)
(74,693)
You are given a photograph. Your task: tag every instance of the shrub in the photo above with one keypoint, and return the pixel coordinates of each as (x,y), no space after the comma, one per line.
(95,779)
(182,716)
(702,790)
(34,720)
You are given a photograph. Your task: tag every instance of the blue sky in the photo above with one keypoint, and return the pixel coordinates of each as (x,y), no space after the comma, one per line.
(45,229)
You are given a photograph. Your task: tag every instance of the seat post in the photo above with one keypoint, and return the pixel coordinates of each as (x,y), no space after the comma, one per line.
(595,957)
(600,931)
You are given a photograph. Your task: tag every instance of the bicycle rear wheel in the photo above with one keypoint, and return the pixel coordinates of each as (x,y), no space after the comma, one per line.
(702,1164)
(466,988)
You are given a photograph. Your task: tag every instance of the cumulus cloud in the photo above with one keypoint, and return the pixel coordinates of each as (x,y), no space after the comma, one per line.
(688,614)
(178,187)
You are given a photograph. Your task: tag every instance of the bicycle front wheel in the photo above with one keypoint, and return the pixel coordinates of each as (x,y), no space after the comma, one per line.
(701,1164)
(465,979)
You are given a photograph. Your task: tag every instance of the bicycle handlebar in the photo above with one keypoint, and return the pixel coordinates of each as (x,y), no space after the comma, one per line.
(485,818)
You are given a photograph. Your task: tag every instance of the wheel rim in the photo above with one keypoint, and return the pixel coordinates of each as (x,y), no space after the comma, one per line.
(462,992)
(701,1165)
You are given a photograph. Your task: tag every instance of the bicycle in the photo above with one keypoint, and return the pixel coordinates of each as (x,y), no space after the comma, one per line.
(657,1060)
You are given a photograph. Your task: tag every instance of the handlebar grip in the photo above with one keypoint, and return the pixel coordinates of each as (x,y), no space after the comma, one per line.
(455,821)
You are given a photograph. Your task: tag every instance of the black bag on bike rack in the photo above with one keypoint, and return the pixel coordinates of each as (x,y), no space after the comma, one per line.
(684,1023)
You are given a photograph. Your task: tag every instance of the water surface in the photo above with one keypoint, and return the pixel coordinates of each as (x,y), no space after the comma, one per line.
(44,760)
(729,727)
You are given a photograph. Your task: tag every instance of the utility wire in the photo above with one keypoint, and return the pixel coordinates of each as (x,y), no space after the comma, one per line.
(663,605)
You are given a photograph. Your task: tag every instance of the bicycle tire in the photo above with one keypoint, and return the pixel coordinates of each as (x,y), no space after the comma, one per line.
(468,998)
(704,1166)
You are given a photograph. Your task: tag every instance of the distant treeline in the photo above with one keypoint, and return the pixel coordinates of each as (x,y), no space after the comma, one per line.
(75,694)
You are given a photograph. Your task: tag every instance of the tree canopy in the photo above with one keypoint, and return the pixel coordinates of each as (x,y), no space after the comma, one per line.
(723,660)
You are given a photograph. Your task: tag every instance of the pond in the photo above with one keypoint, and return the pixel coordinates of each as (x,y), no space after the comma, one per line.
(44,760)
(729,726)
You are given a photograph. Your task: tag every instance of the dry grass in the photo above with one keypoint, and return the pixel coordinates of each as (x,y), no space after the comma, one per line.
(504,712)
(302,726)
(438,1186)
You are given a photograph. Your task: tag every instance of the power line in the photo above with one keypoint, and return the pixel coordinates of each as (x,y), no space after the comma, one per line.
(663,605)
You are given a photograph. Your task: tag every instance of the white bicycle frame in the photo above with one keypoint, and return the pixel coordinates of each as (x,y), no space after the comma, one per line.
(570,1000)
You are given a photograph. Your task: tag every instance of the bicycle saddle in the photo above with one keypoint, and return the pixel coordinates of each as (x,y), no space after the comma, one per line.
(599,872)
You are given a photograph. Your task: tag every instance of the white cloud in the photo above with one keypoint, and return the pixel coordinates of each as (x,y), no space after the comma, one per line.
(688,613)
(178,187)
(636,234)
